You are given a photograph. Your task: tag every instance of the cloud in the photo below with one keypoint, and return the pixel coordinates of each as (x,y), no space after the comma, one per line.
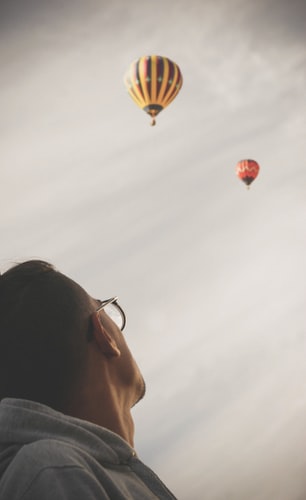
(210,274)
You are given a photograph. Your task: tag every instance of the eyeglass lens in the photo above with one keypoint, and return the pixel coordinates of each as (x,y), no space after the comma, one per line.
(114,313)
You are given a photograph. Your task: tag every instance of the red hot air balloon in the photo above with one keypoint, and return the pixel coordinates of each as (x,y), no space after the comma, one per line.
(247,171)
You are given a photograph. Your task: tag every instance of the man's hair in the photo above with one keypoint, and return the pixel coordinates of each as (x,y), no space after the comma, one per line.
(44,319)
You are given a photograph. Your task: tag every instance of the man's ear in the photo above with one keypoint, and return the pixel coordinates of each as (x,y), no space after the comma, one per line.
(103,340)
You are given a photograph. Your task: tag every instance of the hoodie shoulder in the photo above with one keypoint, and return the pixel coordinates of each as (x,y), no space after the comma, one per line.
(49,469)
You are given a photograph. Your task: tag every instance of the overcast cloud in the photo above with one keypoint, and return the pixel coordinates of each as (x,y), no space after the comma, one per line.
(211,275)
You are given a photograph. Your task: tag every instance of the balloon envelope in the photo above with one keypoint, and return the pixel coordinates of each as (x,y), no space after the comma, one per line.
(153,82)
(247,171)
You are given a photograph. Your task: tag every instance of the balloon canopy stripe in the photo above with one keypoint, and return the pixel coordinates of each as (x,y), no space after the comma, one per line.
(144,79)
(153,79)
(162,66)
(163,72)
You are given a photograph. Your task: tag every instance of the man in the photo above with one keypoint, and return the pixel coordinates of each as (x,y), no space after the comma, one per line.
(67,385)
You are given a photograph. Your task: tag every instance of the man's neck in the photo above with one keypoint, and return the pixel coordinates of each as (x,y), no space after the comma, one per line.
(105,412)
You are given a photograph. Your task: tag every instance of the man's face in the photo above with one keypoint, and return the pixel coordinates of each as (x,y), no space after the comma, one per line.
(128,372)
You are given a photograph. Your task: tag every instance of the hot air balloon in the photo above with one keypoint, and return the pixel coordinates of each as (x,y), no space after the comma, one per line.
(247,171)
(153,82)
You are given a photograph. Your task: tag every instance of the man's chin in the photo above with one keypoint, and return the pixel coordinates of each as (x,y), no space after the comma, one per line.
(142,391)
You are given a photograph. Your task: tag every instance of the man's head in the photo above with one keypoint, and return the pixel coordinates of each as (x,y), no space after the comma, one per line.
(44,317)
(53,342)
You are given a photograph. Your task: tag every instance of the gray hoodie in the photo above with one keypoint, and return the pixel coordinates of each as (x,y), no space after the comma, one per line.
(46,455)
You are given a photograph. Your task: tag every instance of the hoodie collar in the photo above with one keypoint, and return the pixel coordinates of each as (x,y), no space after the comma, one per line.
(23,421)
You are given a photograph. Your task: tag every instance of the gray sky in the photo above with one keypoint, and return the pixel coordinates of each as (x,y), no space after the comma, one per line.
(211,275)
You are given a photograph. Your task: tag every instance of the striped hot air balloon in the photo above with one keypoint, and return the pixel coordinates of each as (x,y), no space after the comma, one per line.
(247,171)
(153,82)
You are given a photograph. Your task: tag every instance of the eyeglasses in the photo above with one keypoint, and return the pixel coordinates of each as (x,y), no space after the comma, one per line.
(114,311)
